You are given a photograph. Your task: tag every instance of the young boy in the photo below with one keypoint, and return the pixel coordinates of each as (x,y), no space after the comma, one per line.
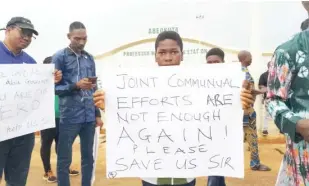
(213,56)
(169,52)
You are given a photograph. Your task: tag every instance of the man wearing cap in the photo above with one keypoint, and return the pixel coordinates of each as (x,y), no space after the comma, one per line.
(15,153)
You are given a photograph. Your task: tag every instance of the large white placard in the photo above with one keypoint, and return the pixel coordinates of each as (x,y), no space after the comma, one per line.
(174,121)
(26,99)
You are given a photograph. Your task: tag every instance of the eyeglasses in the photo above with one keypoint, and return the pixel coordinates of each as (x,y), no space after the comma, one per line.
(26,32)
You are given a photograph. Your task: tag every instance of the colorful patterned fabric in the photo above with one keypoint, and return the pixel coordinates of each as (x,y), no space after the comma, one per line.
(249,122)
(252,114)
(288,102)
(252,139)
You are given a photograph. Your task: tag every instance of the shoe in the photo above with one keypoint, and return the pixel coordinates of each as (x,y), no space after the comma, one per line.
(73,172)
(50,177)
(265,132)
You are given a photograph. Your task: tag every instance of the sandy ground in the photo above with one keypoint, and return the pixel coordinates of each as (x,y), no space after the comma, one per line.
(268,152)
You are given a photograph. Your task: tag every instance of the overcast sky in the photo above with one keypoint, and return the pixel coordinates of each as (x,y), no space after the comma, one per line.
(227,26)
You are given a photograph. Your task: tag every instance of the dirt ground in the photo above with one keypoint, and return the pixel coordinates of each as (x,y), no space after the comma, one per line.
(268,152)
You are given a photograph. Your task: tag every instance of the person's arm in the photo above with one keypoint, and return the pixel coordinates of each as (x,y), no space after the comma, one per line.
(97,110)
(262,88)
(263,83)
(62,88)
(279,81)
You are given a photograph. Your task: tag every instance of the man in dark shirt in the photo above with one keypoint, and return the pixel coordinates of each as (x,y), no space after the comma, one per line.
(263,88)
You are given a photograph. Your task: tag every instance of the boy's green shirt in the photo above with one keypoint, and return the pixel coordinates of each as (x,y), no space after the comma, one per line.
(57,113)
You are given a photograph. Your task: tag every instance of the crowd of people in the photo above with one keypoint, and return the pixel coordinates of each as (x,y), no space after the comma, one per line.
(285,89)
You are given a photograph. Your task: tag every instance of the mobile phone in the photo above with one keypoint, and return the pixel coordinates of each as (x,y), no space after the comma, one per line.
(93,80)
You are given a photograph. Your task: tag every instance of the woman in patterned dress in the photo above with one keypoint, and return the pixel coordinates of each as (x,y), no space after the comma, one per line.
(288,104)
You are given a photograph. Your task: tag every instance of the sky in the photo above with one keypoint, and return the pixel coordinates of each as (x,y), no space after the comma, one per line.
(112,23)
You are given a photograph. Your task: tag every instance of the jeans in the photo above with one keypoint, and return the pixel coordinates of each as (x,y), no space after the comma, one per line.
(192,183)
(216,181)
(47,138)
(15,157)
(67,135)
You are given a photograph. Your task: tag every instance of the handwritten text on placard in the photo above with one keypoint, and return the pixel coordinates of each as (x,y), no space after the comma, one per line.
(174,121)
(26,99)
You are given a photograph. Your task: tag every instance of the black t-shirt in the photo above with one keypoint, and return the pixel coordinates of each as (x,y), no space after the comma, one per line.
(263,80)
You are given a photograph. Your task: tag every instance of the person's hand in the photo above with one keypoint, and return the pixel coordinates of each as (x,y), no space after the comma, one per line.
(246,95)
(247,99)
(84,84)
(263,89)
(99,99)
(257,92)
(57,76)
(99,122)
(302,127)
(246,85)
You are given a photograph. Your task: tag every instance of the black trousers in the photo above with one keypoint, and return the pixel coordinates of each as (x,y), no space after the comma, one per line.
(15,157)
(47,138)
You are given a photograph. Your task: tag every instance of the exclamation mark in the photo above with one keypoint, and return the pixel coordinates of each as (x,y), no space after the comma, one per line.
(184,134)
